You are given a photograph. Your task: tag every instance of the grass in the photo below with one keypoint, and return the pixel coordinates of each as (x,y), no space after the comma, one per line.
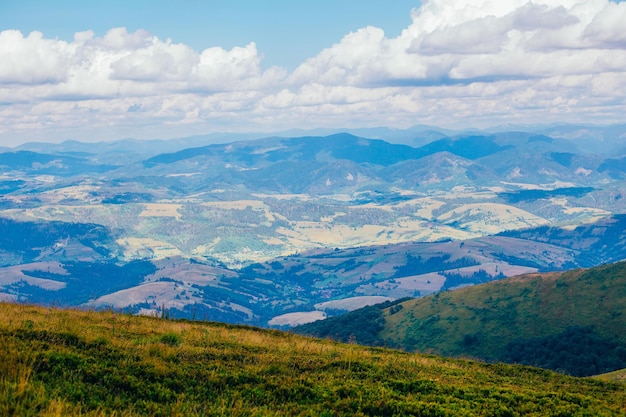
(71,362)
(480,321)
(616,376)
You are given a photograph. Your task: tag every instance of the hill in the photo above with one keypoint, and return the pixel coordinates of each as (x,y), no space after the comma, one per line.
(618,376)
(571,321)
(65,362)
(280,230)
(77,264)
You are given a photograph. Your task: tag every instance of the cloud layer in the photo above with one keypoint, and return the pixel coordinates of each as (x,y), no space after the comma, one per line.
(459,63)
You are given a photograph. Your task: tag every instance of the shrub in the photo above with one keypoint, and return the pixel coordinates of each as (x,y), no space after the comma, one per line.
(170,339)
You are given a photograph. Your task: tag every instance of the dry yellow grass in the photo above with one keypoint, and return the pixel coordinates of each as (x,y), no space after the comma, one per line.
(161,210)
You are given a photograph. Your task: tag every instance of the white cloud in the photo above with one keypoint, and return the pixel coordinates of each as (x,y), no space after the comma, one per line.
(32,59)
(462,41)
(532,16)
(459,62)
(482,36)
(121,62)
(608,27)
(118,39)
(156,62)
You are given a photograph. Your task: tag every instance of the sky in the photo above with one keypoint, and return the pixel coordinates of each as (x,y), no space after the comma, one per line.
(103,70)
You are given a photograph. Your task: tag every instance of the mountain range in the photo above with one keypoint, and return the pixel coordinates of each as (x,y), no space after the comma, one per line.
(276,231)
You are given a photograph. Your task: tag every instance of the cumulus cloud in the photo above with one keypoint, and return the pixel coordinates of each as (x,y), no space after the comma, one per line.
(462,41)
(156,62)
(532,16)
(32,59)
(608,27)
(481,36)
(121,61)
(459,62)
(529,60)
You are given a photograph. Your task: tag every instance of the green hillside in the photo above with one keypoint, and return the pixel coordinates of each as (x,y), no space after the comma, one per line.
(571,322)
(65,362)
(618,376)
(580,314)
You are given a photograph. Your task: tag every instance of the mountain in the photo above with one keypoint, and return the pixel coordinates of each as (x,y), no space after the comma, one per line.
(599,139)
(45,164)
(614,167)
(282,230)
(69,362)
(309,177)
(599,242)
(337,146)
(441,170)
(568,321)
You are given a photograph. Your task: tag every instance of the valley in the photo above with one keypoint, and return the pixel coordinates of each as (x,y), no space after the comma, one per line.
(277,231)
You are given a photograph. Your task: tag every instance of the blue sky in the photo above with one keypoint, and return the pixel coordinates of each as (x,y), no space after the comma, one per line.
(286,31)
(105,70)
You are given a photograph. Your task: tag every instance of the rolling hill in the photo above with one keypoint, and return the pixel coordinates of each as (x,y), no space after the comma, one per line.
(81,264)
(67,362)
(278,228)
(570,321)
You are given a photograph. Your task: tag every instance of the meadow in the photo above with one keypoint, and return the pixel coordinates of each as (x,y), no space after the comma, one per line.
(56,362)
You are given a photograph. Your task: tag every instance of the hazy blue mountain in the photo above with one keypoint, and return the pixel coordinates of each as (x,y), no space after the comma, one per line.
(616,168)
(441,167)
(62,165)
(279,230)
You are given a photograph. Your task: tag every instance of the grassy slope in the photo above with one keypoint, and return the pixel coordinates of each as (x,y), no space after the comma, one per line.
(499,312)
(64,362)
(618,376)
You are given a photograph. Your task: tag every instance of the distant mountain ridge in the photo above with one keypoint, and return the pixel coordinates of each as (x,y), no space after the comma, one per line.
(348,147)
(47,164)
(592,138)
(478,159)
